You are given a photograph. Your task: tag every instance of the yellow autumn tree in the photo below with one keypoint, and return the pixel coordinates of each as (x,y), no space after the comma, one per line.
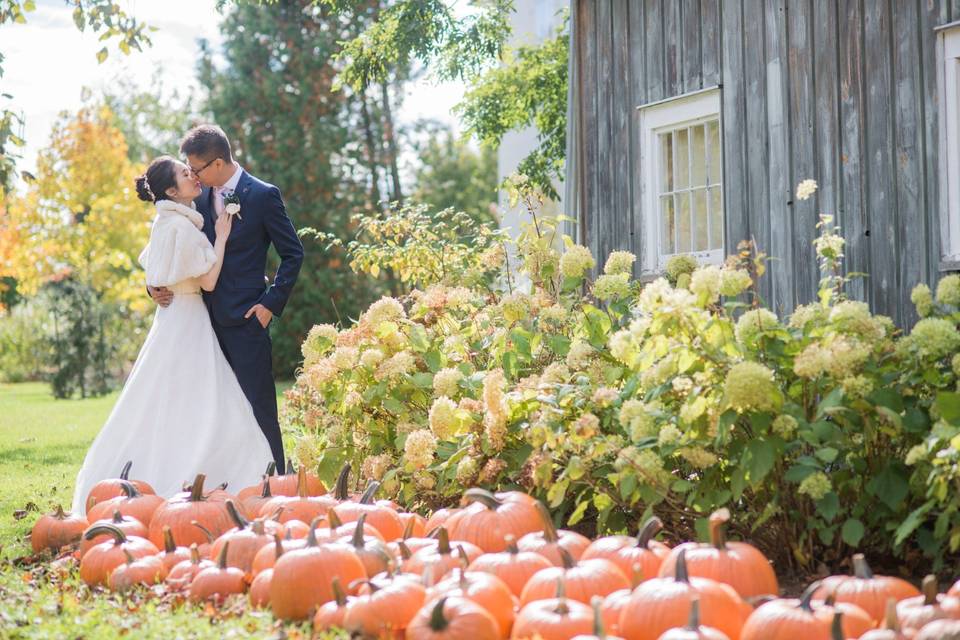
(81,217)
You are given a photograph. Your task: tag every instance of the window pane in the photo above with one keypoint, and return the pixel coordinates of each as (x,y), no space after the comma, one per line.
(699,159)
(666,164)
(716,218)
(684,244)
(716,151)
(701,230)
(667,225)
(681,160)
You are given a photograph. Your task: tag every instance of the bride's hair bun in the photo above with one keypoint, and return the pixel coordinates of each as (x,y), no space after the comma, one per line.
(160,175)
(143,189)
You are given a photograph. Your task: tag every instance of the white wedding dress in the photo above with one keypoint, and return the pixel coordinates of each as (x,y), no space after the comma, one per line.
(181,411)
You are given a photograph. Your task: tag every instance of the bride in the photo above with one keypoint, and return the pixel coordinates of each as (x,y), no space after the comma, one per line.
(181,411)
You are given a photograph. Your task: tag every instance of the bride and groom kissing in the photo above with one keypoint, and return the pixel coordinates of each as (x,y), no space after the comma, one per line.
(201,397)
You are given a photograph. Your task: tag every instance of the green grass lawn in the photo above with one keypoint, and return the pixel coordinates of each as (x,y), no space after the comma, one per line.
(42,445)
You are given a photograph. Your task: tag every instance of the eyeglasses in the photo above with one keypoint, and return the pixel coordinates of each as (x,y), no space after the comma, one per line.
(197,172)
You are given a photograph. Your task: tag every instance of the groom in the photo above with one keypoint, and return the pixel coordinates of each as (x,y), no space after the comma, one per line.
(243,302)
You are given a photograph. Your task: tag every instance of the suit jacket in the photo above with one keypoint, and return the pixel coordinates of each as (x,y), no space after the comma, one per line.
(263,220)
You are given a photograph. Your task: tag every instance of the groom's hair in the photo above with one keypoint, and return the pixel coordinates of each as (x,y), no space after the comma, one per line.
(207,141)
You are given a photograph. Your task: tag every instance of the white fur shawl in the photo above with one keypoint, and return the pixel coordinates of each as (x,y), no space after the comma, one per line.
(178,249)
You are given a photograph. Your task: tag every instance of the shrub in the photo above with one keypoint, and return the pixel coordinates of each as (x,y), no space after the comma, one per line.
(823,432)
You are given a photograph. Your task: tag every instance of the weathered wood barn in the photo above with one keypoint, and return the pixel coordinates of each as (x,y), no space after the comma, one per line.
(692,121)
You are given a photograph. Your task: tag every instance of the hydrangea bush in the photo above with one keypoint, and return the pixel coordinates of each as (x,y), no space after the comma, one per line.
(824,431)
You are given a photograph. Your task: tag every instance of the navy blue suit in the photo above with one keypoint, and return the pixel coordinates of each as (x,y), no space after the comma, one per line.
(245,342)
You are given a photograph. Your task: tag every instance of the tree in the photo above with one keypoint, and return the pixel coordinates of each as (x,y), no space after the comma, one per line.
(453,175)
(275,100)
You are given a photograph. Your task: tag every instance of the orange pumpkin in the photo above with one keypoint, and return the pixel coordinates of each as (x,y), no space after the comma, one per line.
(172,555)
(664,603)
(289,484)
(131,503)
(130,526)
(217,582)
(453,618)
(940,630)
(414,524)
(915,613)
(372,552)
(146,571)
(260,589)
(302,577)
(300,505)
(331,614)
(694,630)
(110,488)
(489,518)
(788,619)
(267,556)
(599,624)
(867,591)
(382,518)
(582,580)
(487,590)
(245,539)
(442,559)
(252,502)
(856,621)
(639,558)
(611,606)
(178,514)
(97,564)
(438,518)
(513,566)
(256,489)
(556,618)
(410,541)
(738,564)
(891,626)
(385,610)
(549,541)
(56,530)
(183,573)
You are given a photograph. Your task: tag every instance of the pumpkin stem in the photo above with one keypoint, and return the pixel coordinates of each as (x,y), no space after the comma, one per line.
(271,468)
(358,540)
(549,529)
(302,482)
(428,580)
(598,629)
(648,531)
(111,530)
(129,556)
(807,597)
(222,558)
(511,544)
(562,607)
(59,513)
(836,629)
(891,621)
(206,532)
(333,519)
(194,553)
(278,545)
(196,491)
(443,541)
(568,561)
(930,588)
(168,544)
(338,595)
(117,516)
(369,492)
(238,519)
(405,552)
(861,569)
(342,486)
(482,496)
(265,492)
(129,489)
(407,530)
(438,622)
(125,471)
(680,571)
(694,623)
(312,534)
(257,526)
(719,520)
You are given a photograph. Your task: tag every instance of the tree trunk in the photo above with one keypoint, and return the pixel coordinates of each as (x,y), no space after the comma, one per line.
(389,134)
(371,153)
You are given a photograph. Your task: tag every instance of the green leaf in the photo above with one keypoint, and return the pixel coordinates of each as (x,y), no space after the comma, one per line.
(762,457)
(827,454)
(828,506)
(891,485)
(557,493)
(423,379)
(628,484)
(434,360)
(575,468)
(798,473)
(888,398)
(418,338)
(948,403)
(102,55)
(577,514)
(510,364)
(521,340)
(560,345)
(914,520)
(852,532)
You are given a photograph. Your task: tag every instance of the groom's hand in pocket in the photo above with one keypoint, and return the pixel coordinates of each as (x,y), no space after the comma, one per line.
(263,314)
(161,295)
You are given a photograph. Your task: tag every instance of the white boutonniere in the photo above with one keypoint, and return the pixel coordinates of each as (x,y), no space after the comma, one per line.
(231,205)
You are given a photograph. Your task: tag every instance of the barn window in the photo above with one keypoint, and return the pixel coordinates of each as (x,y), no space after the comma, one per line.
(682,179)
(948,85)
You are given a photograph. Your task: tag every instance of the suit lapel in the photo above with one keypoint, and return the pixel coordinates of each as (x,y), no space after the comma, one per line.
(205,205)
(243,187)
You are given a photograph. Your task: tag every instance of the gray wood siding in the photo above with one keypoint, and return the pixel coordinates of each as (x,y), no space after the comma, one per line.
(842,91)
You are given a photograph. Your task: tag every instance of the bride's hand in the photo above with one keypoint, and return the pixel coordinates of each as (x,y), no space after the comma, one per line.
(223,225)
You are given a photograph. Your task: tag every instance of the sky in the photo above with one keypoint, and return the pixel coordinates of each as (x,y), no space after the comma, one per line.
(48,63)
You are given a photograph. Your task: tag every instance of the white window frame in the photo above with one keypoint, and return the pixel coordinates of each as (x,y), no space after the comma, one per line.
(948,90)
(689,109)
